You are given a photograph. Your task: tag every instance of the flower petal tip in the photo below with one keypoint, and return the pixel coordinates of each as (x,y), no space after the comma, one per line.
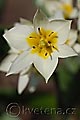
(19,92)
(46,81)
(22,83)
(75,54)
(8,74)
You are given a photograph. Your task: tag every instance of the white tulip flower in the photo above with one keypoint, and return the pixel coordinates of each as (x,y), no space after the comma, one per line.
(41,44)
(65,6)
(68,9)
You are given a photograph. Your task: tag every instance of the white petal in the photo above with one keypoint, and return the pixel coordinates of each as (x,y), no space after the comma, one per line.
(72,37)
(13,50)
(66,51)
(62,27)
(78,4)
(23,61)
(40,20)
(51,6)
(58,15)
(16,36)
(67,1)
(6,63)
(46,67)
(22,83)
(25,71)
(74,13)
(17,24)
(77,47)
(25,22)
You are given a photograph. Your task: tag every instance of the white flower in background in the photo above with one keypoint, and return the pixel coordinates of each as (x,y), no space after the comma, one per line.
(71,41)
(65,6)
(57,16)
(68,10)
(78,4)
(78,22)
(77,47)
(5,66)
(51,6)
(42,44)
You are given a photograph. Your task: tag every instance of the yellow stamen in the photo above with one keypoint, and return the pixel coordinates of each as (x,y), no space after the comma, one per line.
(43,43)
(67,10)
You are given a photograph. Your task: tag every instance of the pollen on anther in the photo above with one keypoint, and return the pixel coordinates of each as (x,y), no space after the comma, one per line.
(51,33)
(40,47)
(32,37)
(39,31)
(45,54)
(34,47)
(49,42)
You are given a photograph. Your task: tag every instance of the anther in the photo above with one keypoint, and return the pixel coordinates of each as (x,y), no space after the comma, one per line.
(49,42)
(55,48)
(45,54)
(51,33)
(39,31)
(40,47)
(34,47)
(32,37)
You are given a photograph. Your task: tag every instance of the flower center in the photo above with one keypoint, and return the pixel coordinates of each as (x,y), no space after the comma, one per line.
(43,43)
(67,10)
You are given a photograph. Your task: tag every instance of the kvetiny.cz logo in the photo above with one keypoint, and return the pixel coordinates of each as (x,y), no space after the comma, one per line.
(14,110)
